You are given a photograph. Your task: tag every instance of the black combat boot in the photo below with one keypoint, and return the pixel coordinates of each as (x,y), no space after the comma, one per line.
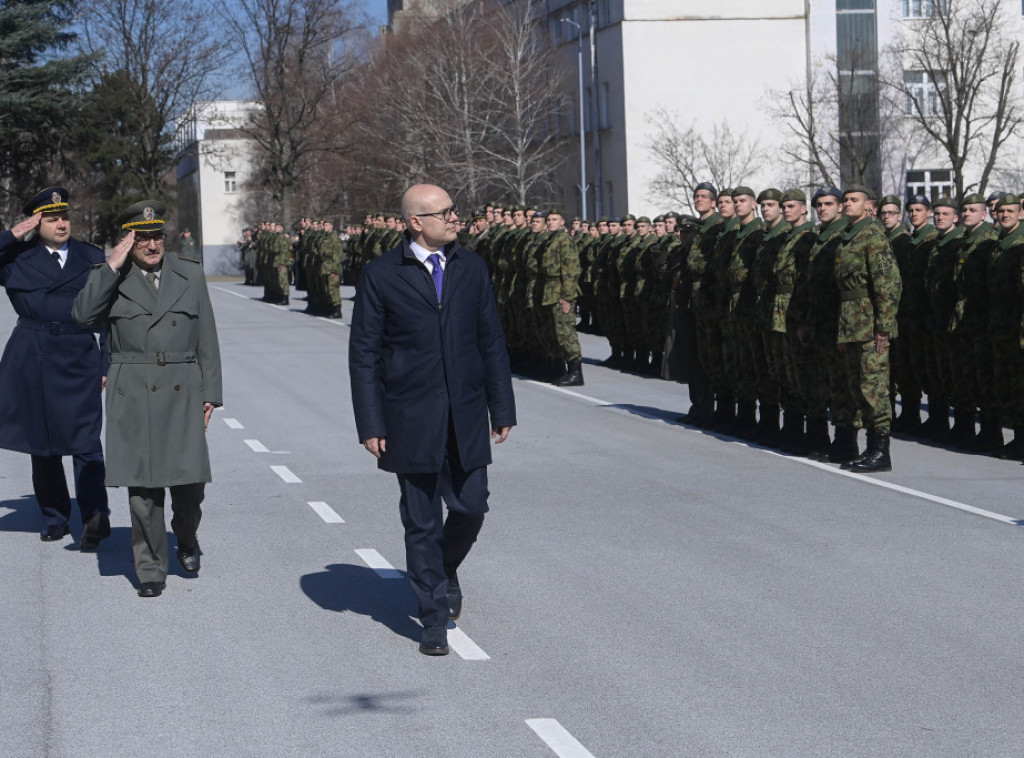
(863,456)
(655,365)
(818,442)
(768,426)
(990,440)
(909,420)
(844,446)
(746,420)
(725,415)
(937,425)
(614,360)
(336,313)
(573,377)
(1014,449)
(963,434)
(877,457)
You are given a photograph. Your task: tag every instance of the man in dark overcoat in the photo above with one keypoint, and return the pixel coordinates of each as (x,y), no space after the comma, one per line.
(164,382)
(51,373)
(430,381)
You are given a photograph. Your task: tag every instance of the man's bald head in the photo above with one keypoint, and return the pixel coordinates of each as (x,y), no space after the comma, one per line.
(431,216)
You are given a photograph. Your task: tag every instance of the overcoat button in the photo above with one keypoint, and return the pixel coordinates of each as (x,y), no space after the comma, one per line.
(177,387)
(174,323)
(153,388)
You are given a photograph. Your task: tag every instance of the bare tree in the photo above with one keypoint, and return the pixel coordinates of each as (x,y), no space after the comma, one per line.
(959,83)
(298,54)
(689,155)
(164,54)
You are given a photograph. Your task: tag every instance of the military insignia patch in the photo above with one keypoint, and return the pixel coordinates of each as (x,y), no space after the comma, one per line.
(147,214)
(55,198)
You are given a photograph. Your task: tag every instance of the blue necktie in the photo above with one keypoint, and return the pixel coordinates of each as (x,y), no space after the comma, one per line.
(437,272)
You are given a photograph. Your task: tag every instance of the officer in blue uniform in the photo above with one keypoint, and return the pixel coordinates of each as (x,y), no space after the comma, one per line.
(52,370)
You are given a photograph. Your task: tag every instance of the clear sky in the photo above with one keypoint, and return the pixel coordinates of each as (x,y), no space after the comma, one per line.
(377,10)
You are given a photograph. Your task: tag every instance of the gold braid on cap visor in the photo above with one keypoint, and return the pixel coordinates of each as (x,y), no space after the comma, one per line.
(51,207)
(133,224)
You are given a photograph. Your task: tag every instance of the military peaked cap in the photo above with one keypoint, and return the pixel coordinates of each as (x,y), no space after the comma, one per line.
(49,200)
(770,194)
(144,216)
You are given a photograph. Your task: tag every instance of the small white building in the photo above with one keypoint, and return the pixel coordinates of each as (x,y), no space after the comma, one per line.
(214,160)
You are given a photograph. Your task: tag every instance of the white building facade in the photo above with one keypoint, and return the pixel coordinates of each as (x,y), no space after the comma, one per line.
(215,159)
(725,62)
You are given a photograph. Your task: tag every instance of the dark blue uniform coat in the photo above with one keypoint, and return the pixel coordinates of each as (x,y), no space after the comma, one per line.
(413,363)
(52,369)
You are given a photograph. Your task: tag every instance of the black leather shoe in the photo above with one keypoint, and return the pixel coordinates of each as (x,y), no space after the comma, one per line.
(151,589)
(454,600)
(95,530)
(189,559)
(54,533)
(435,641)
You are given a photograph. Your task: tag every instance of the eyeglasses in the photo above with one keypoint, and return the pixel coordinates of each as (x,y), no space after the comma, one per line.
(143,241)
(445,214)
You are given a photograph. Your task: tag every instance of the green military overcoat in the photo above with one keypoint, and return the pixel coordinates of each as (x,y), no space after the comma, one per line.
(165,363)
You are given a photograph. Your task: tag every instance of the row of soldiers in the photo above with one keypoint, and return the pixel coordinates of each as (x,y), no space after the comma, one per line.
(807,318)
(381,231)
(313,259)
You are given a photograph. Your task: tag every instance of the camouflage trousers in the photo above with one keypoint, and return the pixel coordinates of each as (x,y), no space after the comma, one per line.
(613,322)
(906,374)
(959,363)
(867,375)
(633,320)
(283,285)
(765,367)
(983,371)
(331,289)
(564,340)
(740,369)
(656,321)
(812,367)
(710,352)
(1008,375)
(937,367)
(781,348)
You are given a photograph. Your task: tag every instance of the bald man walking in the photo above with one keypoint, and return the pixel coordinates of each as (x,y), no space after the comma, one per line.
(430,382)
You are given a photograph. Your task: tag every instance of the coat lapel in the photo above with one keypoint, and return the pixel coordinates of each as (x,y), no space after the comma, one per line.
(39,258)
(453,272)
(74,266)
(410,270)
(173,284)
(138,290)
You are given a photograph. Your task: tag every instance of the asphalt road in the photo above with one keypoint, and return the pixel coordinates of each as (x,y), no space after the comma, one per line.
(639,589)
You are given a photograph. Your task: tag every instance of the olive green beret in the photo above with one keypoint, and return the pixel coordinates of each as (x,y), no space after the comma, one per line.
(741,190)
(891,200)
(769,194)
(556,212)
(627,217)
(945,202)
(577,218)
(1008,199)
(643,220)
(672,214)
(659,219)
(727,191)
(145,216)
(974,197)
(794,194)
(860,188)
(603,220)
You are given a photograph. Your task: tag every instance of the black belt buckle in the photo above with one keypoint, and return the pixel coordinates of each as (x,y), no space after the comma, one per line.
(54,328)
(161,358)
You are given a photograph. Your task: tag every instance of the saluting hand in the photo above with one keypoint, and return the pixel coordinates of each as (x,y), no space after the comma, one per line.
(120,252)
(22,228)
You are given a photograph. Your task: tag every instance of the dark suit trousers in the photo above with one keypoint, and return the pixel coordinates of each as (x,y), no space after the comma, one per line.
(149,529)
(51,486)
(435,546)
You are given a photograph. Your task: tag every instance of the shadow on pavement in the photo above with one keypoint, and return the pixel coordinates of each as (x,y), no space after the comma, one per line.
(357,589)
(384,703)
(25,516)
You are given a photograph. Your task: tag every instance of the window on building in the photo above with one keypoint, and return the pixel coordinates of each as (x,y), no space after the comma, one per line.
(230,183)
(932,183)
(924,8)
(922,94)
(605,119)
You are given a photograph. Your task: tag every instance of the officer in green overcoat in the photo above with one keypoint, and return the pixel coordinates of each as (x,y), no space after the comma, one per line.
(164,382)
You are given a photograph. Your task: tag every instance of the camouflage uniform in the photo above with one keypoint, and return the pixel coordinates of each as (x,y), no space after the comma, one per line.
(1006,303)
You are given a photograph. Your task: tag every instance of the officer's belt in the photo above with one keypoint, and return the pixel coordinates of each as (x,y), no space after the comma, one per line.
(785,289)
(854,295)
(53,327)
(159,358)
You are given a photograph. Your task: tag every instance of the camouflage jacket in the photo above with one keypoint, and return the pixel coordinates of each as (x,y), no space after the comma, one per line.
(742,296)
(788,264)
(531,254)
(559,269)
(869,283)
(914,301)
(762,271)
(970,281)
(939,279)
(815,302)
(698,262)
(329,253)
(718,267)
(1005,304)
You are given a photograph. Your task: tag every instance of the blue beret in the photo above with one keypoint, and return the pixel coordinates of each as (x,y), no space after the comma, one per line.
(827,192)
(706,186)
(919,200)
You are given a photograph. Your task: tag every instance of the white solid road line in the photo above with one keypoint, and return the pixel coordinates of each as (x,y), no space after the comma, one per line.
(233,423)
(236,294)
(464,647)
(806,461)
(285,473)
(558,739)
(256,446)
(326,512)
(376,561)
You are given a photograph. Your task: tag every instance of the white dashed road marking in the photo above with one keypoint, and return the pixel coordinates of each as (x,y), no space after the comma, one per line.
(326,513)
(285,473)
(558,739)
(376,561)
(233,423)
(256,446)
